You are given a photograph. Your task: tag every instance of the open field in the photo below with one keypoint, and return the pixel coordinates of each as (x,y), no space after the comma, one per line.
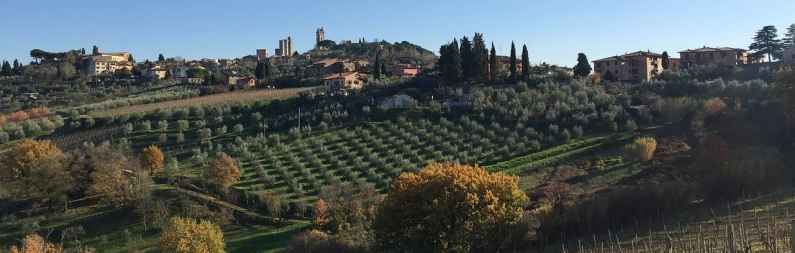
(236,97)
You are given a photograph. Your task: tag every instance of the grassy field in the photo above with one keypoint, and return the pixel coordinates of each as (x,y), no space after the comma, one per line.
(236,97)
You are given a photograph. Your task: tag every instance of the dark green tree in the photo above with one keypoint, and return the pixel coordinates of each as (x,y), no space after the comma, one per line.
(130,58)
(666,60)
(525,64)
(467,58)
(161,58)
(493,64)
(259,71)
(6,69)
(789,37)
(450,62)
(766,42)
(480,58)
(383,68)
(583,67)
(94,50)
(513,62)
(377,66)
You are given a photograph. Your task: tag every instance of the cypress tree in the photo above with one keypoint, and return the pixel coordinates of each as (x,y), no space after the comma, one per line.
(467,59)
(161,58)
(583,67)
(493,64)
(94,50)
(377,67)
(6,69)
(17,67)
(513,62)
(525,64)
(480,57)
(666,60)
(259,71)
(450,62)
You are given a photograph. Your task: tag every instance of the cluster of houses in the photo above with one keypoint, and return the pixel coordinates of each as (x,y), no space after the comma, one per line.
(645,65)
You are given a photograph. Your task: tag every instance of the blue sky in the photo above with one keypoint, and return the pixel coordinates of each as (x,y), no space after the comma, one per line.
(555,31)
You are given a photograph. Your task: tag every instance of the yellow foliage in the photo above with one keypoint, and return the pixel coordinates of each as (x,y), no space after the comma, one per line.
(641,149)
(223,171)
(321,214)
(34,243)
(714,106)
(21,159)
(152,159)
(185,235)
(449,207)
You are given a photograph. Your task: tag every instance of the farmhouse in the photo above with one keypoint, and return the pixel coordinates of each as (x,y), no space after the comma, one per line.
(345,81)
(725,56)
(632,67)
(109,63)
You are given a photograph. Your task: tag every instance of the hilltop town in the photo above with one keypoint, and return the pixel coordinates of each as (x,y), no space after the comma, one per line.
(377,146)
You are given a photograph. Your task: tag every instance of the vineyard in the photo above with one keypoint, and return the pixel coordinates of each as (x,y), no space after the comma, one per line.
(764,224)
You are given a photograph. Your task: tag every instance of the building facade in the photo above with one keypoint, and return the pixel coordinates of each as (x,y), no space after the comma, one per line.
(789,55)
(725,56)
(109,63)
(262,54)
(344,81)
(632,67)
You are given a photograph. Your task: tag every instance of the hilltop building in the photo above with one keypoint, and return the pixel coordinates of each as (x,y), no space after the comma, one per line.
(285,47)
(109,63)
(320,35)
(262,54)
(726,56)
(345,81)
(632,67)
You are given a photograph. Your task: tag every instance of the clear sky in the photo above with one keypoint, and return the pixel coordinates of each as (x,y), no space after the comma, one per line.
(554,31)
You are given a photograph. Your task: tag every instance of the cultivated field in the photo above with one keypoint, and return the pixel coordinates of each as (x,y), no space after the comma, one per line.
(217,99)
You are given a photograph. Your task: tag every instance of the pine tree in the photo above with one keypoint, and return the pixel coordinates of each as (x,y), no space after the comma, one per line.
(513,62)
(583,67)
(766,42)
(130,58)
(16,66)
(525,64)
(467,59)
(161,58)
(789,37)
(666,60)
(493,64)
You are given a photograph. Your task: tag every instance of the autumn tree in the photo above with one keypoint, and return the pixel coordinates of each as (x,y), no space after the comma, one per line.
(320,212)
(449,208)
(117,178)
(152,159)
(223,171)
(641,149)
(185,235)
(34,243)
(35,169)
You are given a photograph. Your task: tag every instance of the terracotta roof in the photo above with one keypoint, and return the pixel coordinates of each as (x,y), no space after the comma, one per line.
(633,54)
(340,76)
(712,49)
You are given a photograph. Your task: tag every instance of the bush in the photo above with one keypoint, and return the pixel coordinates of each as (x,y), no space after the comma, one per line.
(641,149)
(185,235)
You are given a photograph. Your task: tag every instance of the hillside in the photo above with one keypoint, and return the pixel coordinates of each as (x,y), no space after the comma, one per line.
(393,53)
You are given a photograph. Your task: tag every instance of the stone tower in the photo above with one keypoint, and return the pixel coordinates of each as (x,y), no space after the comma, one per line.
(320,35)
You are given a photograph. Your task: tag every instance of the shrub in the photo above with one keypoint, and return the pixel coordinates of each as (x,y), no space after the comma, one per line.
(223,171)
(641,149)
(185,235)
(152,159)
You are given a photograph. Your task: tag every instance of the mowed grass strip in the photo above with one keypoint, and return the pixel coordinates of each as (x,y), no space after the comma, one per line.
(236,97)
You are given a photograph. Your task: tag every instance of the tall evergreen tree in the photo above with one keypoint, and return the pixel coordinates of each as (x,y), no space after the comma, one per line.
(493,64)
(17,67)
(130,58)
(161,58)
(525,64)
(377,66)
(94,50)
(259,71)
(789,37)
(5,70)
(766,42)
(480,58)
(666,60)
(467,58)
(450,62)
(583,67)
(513,62)
(383,68)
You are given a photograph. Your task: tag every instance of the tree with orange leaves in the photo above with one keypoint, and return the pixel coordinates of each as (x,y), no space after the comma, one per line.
(449,208)
(35,169)
(34,243)
(223,171)
(152,159)
(321,218)
(20,161)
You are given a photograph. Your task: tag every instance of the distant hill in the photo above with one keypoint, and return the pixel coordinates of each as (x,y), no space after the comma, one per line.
(400,52)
